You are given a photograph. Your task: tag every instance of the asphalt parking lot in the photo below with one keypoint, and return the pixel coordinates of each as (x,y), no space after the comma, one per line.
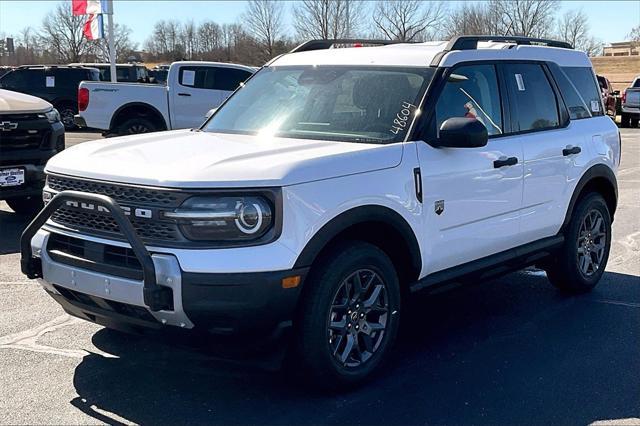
(508,351)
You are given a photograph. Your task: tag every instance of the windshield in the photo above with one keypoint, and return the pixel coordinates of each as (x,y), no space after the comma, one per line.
(342,103)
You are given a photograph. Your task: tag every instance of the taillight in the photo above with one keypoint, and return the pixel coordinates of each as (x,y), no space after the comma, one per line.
(624,96)
(83,99)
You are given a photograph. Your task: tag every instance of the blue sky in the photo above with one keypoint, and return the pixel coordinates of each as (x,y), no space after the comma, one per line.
(609,20)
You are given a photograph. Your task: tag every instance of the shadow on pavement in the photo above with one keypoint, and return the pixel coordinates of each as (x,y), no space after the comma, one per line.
(11,227)
(511,351)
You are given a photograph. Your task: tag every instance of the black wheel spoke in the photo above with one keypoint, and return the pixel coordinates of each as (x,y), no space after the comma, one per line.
(591,243)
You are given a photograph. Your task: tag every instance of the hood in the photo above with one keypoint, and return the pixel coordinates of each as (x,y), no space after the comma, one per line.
(18,103)
(194,159)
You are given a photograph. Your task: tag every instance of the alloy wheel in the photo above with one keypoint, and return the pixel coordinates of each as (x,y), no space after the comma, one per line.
(358,318)
(592,239)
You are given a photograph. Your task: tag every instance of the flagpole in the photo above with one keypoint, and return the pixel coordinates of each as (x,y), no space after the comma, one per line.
(112,38)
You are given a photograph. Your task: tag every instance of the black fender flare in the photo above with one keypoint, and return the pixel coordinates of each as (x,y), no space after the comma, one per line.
(136,104)
(354,216)
(598,171)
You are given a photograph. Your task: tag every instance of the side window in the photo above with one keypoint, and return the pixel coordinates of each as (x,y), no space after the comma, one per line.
(230,78)
(532,97)
(584,81)
(13,80)
(198,77)
(472,91)
(575,104)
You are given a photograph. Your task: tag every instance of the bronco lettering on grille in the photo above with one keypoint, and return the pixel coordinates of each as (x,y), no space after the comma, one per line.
(128,211)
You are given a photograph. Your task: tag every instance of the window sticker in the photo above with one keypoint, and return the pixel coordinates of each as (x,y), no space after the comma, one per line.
(51,81)
(402,118)
(520,82)
(595,106)
(188,77)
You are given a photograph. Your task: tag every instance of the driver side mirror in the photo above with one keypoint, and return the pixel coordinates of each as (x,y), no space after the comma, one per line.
(462,132)
(210,113)
(616,93)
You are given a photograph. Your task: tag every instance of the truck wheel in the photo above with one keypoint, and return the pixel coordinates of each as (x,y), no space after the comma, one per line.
(67,111)
(579,265)
(634,122)
(25,205)
(136,125)
(625,120)
(349,316)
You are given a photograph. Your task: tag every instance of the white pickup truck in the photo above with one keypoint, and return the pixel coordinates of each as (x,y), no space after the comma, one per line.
(193,88)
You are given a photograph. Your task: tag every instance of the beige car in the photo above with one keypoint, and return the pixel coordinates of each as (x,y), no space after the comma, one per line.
(30,133)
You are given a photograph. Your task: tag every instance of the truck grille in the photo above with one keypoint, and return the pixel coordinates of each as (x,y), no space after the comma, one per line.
(100,224)
(23,131)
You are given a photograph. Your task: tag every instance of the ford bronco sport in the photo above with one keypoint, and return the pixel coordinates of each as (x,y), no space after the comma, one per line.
(329,187)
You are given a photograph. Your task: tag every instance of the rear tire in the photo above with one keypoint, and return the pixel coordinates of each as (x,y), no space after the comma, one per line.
(349,316)
(26,205)
(135,126)
(625,120)
(67,112)
(579,265)
(634,122)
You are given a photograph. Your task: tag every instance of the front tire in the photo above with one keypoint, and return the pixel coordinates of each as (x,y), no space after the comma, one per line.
(579,265)
(625,120)
(26,205)
(67,112)
(349,316)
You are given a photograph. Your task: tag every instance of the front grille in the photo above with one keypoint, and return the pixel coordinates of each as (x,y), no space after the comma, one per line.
(120,193)
(32,132)
(93,256)
(104,225)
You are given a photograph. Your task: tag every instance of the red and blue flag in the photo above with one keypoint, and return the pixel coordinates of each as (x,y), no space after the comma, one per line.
(89,7)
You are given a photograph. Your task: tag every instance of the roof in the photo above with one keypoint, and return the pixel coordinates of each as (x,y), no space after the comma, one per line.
(422,54)
(219,64)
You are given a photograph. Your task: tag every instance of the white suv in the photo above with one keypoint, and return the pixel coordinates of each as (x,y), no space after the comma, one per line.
(330,186)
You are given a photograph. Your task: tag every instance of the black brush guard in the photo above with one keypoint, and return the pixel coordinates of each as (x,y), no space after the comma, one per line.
(156,297)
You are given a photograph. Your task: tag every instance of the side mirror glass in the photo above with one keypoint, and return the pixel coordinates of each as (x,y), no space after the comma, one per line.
(210,113)
(462,132)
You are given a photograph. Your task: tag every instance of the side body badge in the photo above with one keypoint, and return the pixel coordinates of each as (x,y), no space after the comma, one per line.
(438,207)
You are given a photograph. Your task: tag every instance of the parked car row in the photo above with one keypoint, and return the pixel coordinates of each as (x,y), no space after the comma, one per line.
(626,105)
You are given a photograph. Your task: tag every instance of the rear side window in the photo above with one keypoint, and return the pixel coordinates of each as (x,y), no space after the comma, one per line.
(230,78)
(198,77)
(576,105)
(472,91)
(583,80)
(532,97)
(68,78)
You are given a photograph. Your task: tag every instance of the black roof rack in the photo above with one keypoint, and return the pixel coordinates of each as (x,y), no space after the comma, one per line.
(326,44)
(470,42)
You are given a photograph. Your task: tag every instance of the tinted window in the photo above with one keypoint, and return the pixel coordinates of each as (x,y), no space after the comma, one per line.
(230,78)
(573,100)
(24,79)
(472,91)
(198,77)
(533,100)
(69,78)
(636,83)
(13,80)
(583,80)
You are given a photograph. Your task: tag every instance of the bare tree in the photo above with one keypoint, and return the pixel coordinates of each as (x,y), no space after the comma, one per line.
(122,43)
(265,21)
(165,40)
(529,18)
(62,34)
(573,27)
(189,39)
(408,20)
(327,19)
(634,36)
(472,19)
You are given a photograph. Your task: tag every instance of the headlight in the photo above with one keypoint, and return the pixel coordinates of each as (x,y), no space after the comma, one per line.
(224,218)
(53,115)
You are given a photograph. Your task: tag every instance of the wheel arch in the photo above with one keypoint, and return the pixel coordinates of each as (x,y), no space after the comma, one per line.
(140,109)
(379,225)
(599,178)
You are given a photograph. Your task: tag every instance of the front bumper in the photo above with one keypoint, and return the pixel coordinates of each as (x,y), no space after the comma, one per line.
(216,303)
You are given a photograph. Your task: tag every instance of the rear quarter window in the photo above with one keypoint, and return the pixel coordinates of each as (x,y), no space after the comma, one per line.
(584,82)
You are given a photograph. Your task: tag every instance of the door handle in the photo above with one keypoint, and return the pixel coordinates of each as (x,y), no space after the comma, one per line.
(511,161)
(184,94)
(571,150)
